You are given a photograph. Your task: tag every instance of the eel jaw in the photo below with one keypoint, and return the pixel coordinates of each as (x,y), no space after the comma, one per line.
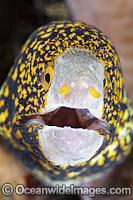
(65,140)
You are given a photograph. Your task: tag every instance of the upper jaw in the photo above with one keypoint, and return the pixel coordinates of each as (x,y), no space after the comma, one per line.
(77,83)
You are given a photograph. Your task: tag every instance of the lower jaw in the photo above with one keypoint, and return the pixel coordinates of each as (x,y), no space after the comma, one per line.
(69,146)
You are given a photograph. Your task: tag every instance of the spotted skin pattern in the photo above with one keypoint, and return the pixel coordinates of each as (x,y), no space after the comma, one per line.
(24,93)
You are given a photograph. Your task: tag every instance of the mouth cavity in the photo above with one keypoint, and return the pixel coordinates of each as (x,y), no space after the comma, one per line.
(68,117)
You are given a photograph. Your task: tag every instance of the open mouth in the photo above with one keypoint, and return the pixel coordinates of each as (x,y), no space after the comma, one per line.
(69,136)
(69,117)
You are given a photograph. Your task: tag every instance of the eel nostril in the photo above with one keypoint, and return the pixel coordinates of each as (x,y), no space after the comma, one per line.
(94,93)
(64,90)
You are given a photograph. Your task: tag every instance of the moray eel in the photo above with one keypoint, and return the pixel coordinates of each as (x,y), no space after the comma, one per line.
(64,110)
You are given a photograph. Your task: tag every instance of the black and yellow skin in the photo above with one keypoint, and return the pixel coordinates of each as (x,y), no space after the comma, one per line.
(24,94)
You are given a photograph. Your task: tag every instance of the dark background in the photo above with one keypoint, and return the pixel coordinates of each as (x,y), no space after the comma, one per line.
(18,19)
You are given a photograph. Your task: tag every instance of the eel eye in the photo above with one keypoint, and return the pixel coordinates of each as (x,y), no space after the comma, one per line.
(47,77)
(104,82)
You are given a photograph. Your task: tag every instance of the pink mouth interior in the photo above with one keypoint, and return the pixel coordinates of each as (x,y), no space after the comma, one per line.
(68,117)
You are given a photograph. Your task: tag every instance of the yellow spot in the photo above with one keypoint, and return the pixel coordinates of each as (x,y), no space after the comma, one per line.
(18,134)
(46,35)
(16,102)
(6,92)
(112,158)
(64,90)
(6,133)
(33,58)
(111,153)
(126,114)
(72,174)
(109,115)
(33,43)
(128,139)
(115,113)
(59,25)
(47,47)
(22,74)
(20,60)
(118,157)
(34,89)
(79,38)
(30,129)
(57,43)
(21,108)
(77,23)
(15,74)
(10,72)
(36,45)
(47,58)
(94,160)
(82,164)
(4,115)
(26,51)
(23,93)
(72,35)
(2,102)
(94,93)
(72,29)
(86,33)
(27,107)
(29,89)
(13,96)
(29,57)
(122,142)
(41,46)
(49,29)
(41,32)
(101,161)
(127,149)
(22,66)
